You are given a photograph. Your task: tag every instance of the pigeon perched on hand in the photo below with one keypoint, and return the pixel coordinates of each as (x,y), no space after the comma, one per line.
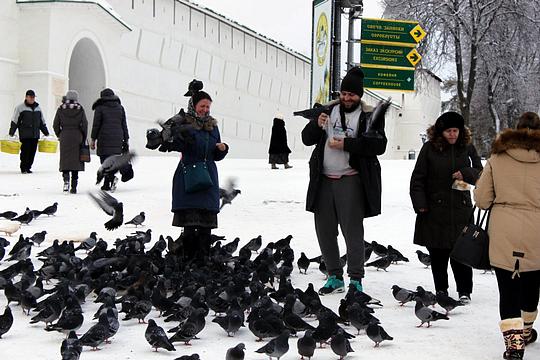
(228,193)
(377,334)
(112,207)
(426,315)
(236,353)
(137,220)
(156,337)
(424,258)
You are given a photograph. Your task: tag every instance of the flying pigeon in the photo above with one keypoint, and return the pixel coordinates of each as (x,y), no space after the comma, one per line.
(112,207)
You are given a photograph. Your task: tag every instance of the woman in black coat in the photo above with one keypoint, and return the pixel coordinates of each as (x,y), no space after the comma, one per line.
(446,162)
(279,151)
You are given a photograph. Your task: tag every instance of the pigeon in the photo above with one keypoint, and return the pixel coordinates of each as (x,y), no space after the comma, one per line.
(228,194)
(276,347)
(112,207)
(395,255)
(71,347)
(193,87)
(3,242)
(428,298)
(402,295)
(446,302)
(156,337)
(360,317)
(378,249)
(97,333)
(381,263)
(50,210)
(6,321)
(377,334)
(426,315)
(303,263)
(8,215)
(24,218)
(9,228)
(71,318)
(236,353)
(230,323)
(188,357)
(254,244)
(424,258)
(376,120)
(38,238)
(113,164)
(88,243)
(139,311)
(137,220)
(2,254)
(340,344)
(306,345)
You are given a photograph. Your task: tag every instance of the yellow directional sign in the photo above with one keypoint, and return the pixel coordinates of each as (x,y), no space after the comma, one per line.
(417,33)
(414,57)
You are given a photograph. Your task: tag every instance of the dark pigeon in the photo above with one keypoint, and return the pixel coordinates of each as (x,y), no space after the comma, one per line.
(303,263)
(236,353)
(38,238)
(306,345)
(276,347)
(138,220)
(50,210)
(8,215)
(71,347)
(156,337)
(254,244)
(228,193)
(382,263)
(97,333)
(6,321)
(428,298)
(340,345)
(446,302)
(424,258)
(112,207)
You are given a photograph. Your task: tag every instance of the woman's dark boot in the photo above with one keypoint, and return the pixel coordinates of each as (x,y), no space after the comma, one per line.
(74,181)
(65,176)
(274,167)
(512,330)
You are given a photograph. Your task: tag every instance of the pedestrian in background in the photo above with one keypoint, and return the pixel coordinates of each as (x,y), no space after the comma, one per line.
(345,179)
(29,121)
(71,127)
(510,185)
(109,130)
(441,199)
(279,151)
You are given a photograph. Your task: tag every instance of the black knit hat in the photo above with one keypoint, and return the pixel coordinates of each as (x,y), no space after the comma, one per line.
(354,81)
(30,93)
(106,93)
(450,119)
(200,95)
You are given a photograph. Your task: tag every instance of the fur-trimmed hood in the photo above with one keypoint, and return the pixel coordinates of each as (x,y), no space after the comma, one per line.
(438,141)
(188,119)
(522,145)
(106,100)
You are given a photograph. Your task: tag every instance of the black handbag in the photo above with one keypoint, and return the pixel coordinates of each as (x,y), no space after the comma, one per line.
(196,176)
(472,245)
(84,152)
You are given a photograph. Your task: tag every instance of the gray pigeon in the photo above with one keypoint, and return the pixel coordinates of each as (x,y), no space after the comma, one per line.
(428,298)
(402,295)
(228,194)
(137,220)
(236,353)
(340,344)
(426,315)
(156,337)
(88,243)
(424,258)
(71,347)
(276,347)
(306,345)
(377,334)
(97,333)
(113,164)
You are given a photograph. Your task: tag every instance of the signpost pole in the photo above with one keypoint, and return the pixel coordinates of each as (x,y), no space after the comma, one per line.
(336,47)
(355,13)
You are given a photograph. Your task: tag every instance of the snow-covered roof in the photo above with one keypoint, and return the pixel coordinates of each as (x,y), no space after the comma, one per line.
(101,3)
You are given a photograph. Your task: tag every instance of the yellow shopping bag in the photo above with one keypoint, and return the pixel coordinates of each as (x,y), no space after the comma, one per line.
(10,146)
(47,146)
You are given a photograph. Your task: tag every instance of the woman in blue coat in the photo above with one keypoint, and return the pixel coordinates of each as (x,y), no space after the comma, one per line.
(200,142)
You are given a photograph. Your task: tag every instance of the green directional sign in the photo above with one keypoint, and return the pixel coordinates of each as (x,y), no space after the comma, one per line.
(388,55)
(408,33)
(388,79)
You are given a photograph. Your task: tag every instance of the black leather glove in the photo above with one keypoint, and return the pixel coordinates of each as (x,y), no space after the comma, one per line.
(125,146)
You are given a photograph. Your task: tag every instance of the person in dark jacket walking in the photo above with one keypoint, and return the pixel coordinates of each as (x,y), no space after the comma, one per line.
(196,211)
(345,179)
(29,120)
(71,127)
(109,130)
(441,198)
(279,151)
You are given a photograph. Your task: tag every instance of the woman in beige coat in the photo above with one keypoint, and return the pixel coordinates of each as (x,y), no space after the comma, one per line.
(510,183)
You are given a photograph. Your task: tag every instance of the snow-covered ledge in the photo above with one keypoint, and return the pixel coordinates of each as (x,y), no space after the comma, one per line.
(101,3)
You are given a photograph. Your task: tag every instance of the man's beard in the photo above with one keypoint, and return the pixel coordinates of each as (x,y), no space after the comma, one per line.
(352,107)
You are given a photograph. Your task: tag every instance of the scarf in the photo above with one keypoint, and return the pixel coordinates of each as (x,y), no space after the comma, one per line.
(201,121)
(70,104)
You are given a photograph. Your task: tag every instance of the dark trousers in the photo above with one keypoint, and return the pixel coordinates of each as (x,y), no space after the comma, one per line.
(341,202)
(519,293)
(28,153)
(439,267)
(196,242)
(74,177)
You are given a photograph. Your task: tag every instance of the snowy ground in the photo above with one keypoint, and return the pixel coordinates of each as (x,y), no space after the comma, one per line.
(272,205)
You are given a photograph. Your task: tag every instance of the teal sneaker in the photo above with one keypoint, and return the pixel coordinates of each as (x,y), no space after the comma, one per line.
(333,285)
(357,284)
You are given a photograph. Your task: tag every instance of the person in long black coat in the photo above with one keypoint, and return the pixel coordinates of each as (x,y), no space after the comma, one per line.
(109,130)
(447,159)
(279,151)
(71,127)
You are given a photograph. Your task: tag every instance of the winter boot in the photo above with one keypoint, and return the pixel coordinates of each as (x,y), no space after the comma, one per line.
(65,176)
(274,167)
(287,166)
(74,181)
(106,184)
(512,330)
(529,334)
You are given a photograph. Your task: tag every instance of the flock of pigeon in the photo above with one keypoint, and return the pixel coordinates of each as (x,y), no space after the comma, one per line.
(248,286)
